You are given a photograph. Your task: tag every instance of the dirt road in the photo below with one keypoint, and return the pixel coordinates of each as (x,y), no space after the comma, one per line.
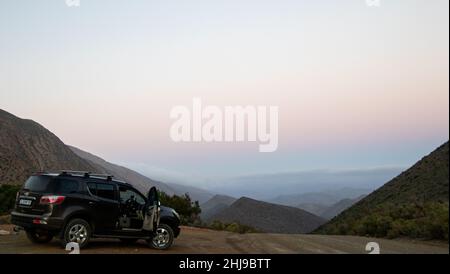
(193,240)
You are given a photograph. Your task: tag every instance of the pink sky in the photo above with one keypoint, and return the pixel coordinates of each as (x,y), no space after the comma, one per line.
(343,75)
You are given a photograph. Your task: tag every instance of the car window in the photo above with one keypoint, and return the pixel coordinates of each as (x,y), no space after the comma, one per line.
(105,191)
(92,188)
(128,194)
(38,184)
(67,186)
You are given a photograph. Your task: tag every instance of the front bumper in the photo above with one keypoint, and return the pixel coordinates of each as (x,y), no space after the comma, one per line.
(36,221)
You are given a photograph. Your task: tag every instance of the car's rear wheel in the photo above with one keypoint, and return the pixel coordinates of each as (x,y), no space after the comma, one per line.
(163,238)
(77,231)
(39,236)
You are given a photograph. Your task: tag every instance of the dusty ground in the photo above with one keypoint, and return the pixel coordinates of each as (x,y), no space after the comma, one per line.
(194,240)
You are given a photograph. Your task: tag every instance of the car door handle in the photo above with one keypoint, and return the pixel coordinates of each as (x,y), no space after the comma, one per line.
(91,203)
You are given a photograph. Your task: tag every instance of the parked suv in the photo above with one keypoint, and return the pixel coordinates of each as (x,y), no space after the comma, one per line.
(78,206)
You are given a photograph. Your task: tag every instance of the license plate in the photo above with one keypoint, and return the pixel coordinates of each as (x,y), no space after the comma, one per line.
(25,202)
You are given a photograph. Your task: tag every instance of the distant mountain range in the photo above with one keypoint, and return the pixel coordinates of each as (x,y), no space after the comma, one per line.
(326,204)
(267,217)
(318,198)
(139,181)
(27,147)
(314,208)
(215,205)
(413,204)
(335,209)
(196,194)
(269,187)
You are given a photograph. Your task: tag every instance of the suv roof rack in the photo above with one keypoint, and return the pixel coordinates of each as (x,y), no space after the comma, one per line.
(85,174)
(108,177)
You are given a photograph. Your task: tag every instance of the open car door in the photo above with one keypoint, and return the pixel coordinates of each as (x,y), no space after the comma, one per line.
(151,211)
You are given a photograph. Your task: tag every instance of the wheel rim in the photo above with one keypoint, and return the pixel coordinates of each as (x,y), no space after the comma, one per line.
(78,234)
(161,238)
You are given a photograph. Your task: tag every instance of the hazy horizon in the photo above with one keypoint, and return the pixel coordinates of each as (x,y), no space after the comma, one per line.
(357,87)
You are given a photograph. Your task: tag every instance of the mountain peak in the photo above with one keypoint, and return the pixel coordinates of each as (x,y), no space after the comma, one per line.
(269,217)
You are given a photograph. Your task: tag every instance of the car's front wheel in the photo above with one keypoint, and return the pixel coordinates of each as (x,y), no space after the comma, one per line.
(77,231)
(39,236)
(163,238)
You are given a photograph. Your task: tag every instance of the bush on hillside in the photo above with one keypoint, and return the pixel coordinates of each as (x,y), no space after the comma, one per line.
(7,198)
(424,221)
(189,211)
(232,227)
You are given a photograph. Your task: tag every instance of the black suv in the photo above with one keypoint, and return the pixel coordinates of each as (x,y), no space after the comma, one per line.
(78,206)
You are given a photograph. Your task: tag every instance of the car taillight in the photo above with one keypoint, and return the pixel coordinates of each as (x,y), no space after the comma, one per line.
(52,200)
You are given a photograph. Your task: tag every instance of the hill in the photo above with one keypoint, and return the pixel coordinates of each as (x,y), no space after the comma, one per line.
(414,204)
(316,198)
(27,147)
(314,208)
(215,205)
(338,207)
(267,217)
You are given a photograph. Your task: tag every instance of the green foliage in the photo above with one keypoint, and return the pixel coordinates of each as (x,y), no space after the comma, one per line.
(232,227)
(426,221)
(414,204)
(217,225)
(189,211)
(7,198)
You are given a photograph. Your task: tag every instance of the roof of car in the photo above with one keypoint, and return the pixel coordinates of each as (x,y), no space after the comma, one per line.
(81,175)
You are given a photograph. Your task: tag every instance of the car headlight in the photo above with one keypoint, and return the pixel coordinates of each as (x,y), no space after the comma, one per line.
(176,213)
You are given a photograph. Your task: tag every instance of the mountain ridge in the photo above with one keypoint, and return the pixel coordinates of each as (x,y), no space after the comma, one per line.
(215,205)
(27,147)
(268,217)
(413,204)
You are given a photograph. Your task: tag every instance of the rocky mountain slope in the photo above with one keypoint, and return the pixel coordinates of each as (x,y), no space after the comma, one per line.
(413,204)
(27,147)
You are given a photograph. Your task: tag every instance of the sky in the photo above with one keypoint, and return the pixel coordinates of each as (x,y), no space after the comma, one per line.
(357,87)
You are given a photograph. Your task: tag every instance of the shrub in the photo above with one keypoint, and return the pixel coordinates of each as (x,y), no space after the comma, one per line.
(189,211)
(426,221)
(232,227)
(7,198)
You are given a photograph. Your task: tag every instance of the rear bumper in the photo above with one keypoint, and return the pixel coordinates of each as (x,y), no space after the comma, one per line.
(30,221)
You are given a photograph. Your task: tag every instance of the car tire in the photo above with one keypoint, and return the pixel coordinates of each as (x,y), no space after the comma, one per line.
(128,240)
(163,238)
(78,231)
(39,236)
